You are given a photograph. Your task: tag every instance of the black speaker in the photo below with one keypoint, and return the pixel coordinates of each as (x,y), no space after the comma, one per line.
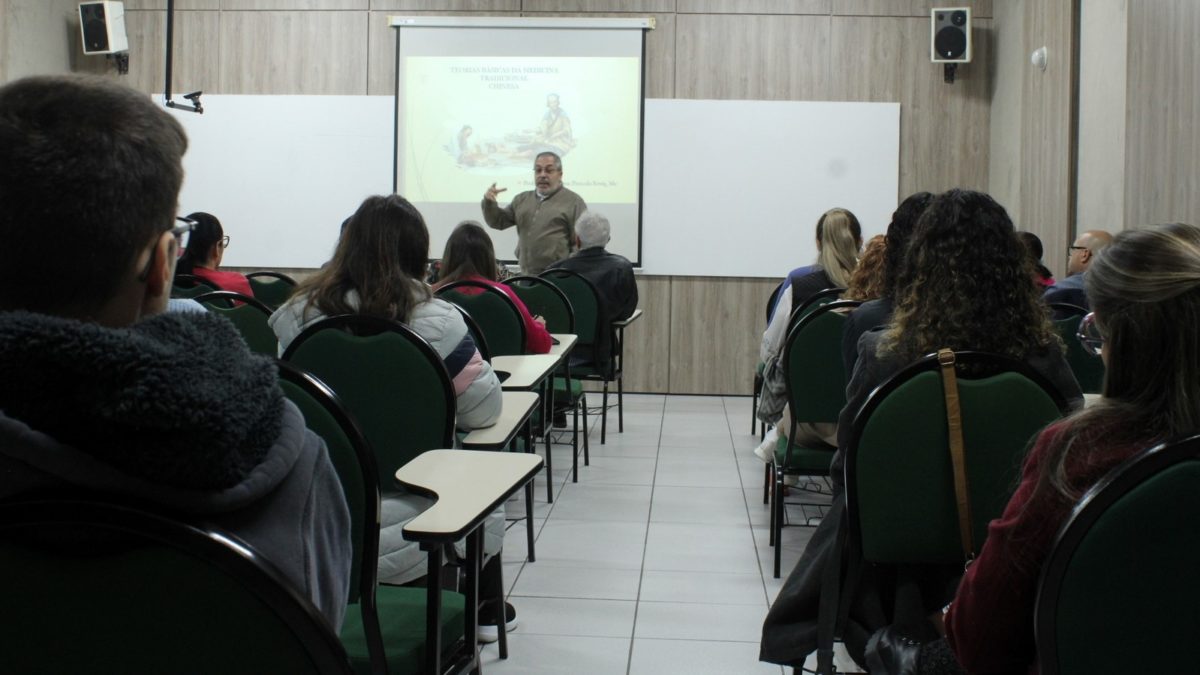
(102,25)
(950,38)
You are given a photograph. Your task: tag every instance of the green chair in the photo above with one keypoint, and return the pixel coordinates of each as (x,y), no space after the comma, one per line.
(271,288)
(248,315)
(544,299)
(494,311)
(476,334)
(901,507)
(1118,593)
(189,286)
(605,368)
(385,629)
(812,302)
(816,393)
(95,586)
(1088,369)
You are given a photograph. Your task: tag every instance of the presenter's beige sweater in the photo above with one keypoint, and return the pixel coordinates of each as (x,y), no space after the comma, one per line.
(545,229)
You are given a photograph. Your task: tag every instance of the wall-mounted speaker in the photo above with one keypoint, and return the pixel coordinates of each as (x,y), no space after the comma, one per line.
(103,27)
(950,39)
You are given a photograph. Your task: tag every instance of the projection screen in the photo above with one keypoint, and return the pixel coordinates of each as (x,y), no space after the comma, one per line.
(477,98)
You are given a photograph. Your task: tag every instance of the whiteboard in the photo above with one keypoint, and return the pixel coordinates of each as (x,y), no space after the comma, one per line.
(735,188)
(731,188)
(282,172)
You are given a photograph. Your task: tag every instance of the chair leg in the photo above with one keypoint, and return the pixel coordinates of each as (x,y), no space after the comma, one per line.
(531,557)
(767,483)
(771,489)
(620,405)
(604,414)
(778,526)
(574,442)
(583,404)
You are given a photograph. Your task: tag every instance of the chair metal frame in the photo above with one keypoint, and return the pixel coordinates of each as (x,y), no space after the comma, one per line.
(228,556)
(1091,509)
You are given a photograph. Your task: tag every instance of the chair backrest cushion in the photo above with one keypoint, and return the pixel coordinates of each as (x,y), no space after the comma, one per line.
(899,474)
(248,315)
(494,312)
(812,363)
(544,299)
(399,392)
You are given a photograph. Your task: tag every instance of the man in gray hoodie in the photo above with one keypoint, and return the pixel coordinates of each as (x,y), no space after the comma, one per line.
(103,391)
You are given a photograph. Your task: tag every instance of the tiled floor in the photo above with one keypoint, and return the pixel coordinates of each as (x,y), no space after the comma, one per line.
(656,561)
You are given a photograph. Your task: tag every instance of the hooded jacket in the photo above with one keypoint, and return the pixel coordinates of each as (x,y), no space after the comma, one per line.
(174,412)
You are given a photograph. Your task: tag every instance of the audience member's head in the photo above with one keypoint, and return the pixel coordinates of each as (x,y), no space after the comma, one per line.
(1033,244)
(904,219)
(965,281)
(469,253)
(592,229)
(867,281)
(207,245)
(1084,250)
(839,237)
(381,257)
(89,184)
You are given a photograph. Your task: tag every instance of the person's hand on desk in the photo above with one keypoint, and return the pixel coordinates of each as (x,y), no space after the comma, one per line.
(491,193)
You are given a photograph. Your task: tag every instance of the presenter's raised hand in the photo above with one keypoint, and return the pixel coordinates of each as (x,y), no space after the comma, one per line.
(491,193)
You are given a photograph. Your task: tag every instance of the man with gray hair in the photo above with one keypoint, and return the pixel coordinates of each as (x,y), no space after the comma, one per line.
(611,274)
(545,217)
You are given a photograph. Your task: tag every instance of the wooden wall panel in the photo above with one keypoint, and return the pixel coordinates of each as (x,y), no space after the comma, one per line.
(943,127)
(754,7)
(598,5)
(659,67)
(735,56)
(716,328)
(381,48)
(196,58)
(1162,167)
(292,5)
(302,52)
(980,9)
(132,5)
(648,340)
(447,5)
(1047,178)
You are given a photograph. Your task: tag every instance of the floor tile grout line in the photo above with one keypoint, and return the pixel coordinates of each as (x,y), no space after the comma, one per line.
(749,518)
(645,543)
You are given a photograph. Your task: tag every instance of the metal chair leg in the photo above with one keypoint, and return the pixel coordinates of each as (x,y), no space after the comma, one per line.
(574,440)
(604,414)
(583,404)
(767,484)
(620,405)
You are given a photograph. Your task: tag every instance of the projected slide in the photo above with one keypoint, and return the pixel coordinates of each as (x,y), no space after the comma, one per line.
(477,98)
(481,120)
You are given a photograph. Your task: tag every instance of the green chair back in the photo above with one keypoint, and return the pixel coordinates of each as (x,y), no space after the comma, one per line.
(389,377)
(812,363)
(271,288)
(1088,369)
(371,607)
(1118,592)
(586,306)
(476,334)
(811,303)
(248,315)
(96,587)
(189,286)
(497,316)
(544,299)
(899,476)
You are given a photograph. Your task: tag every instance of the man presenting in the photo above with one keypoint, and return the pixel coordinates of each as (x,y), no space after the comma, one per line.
(545,217)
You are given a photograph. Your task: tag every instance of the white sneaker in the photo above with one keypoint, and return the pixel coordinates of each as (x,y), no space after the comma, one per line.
(491,633)
(766,450)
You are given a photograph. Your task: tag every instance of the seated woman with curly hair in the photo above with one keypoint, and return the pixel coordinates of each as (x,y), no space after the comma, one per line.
(965,286)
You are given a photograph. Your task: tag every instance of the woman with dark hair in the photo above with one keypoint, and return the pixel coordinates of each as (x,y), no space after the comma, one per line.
(1041,274)
(204,252)
(469,256)
(878,312)
(378,269)
(964,285)
(1145,294)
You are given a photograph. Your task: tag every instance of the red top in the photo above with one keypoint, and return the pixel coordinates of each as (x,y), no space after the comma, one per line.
(225,281)
(537,338)
(990,623)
